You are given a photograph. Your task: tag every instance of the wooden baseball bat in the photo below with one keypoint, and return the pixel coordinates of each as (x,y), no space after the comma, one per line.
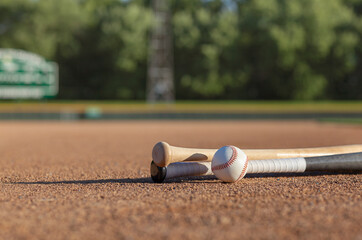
(331,163)
(163,154)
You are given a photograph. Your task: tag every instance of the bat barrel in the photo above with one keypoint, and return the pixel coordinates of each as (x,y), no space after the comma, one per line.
(159,174)
(188,169)
(339,162)
(163,154)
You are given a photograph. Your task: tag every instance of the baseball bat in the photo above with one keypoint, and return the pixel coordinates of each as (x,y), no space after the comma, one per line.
(163,154)
(333,163)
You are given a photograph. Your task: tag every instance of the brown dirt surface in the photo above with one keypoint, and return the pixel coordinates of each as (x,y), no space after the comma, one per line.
(90,180)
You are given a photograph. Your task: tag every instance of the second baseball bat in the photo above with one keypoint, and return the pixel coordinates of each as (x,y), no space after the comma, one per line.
(339,162)
(163,154)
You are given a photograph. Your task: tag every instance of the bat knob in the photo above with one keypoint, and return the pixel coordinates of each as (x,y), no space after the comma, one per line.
(158,174)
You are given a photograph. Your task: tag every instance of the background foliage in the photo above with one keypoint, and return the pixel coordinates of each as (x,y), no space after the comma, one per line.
(231,49)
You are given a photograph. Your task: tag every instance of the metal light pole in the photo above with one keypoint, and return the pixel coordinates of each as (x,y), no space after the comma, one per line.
(160,83)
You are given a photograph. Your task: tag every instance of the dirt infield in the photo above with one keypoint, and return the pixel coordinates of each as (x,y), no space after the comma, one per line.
(90,180)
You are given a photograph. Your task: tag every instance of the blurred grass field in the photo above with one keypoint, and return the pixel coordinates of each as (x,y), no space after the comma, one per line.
(342,120)
(185,106)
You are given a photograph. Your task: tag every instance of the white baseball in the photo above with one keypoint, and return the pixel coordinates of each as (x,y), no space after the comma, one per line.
(229,164)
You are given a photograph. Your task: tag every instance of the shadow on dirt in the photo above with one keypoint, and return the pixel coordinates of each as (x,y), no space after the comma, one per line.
(97,181)
(213,179)
(208,179)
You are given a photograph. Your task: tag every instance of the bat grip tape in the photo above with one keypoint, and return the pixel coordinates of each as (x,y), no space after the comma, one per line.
(277,165)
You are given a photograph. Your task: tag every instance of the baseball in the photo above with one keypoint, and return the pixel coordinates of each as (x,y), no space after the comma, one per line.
(229,164)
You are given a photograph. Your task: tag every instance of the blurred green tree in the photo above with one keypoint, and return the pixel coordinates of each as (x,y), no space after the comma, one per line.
(292,46)
(206,34)
(349,86)
(41,26)
(112,60)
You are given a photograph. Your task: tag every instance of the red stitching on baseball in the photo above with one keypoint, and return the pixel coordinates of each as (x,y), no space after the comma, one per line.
(228,163)
(244,170)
